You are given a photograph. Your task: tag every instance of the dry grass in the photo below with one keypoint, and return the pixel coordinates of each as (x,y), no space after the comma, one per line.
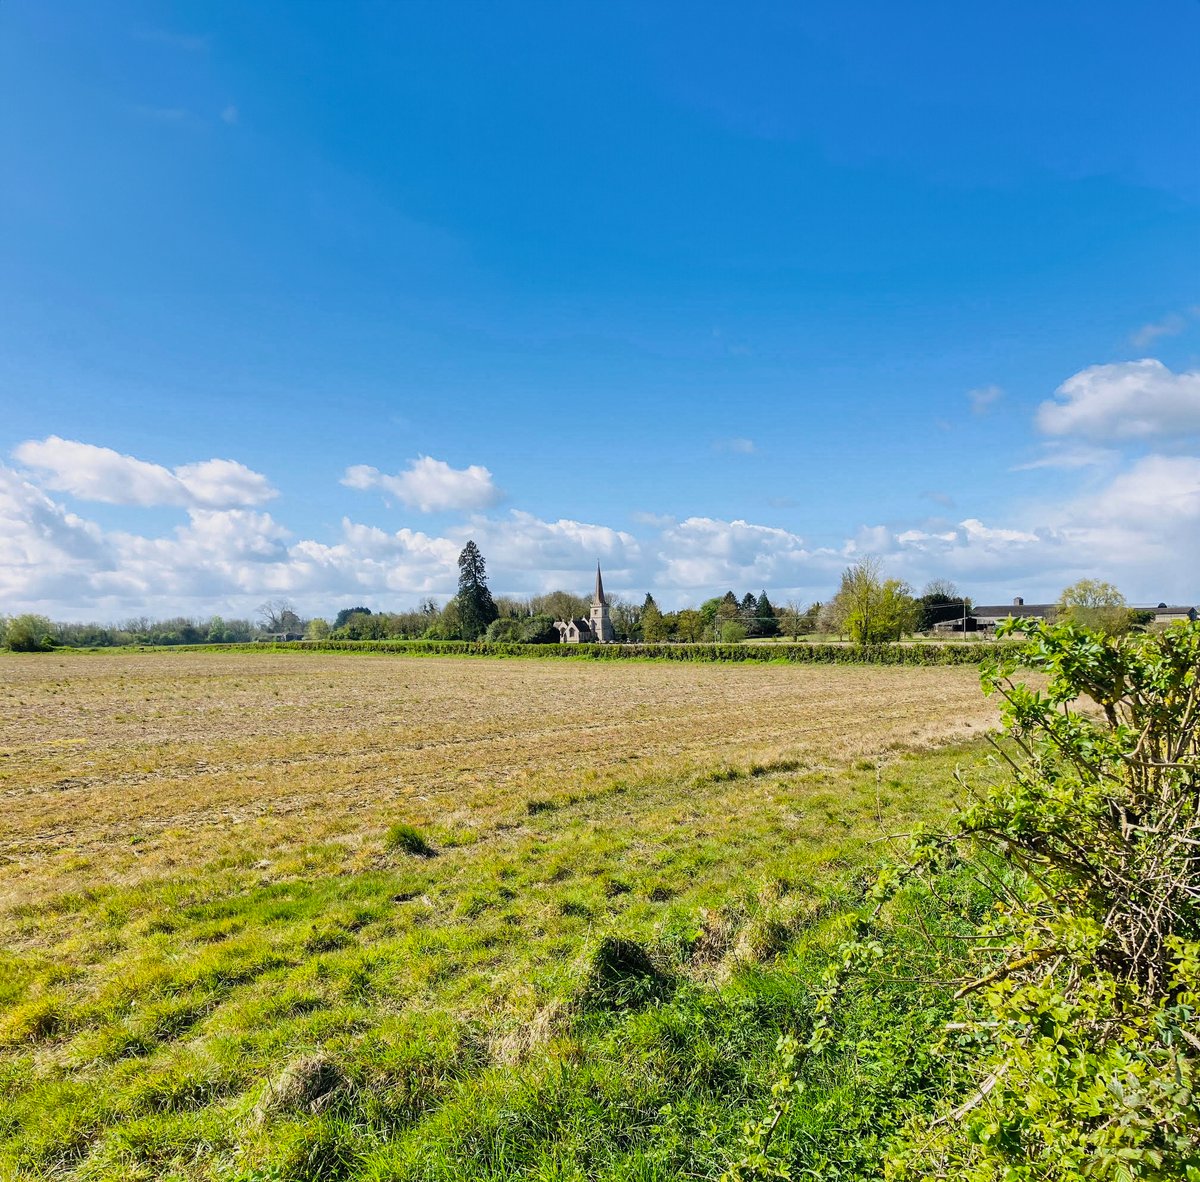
(118,767)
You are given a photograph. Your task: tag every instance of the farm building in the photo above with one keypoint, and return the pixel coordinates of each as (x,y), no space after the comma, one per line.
(987,617)
(596,629)
(1166,613)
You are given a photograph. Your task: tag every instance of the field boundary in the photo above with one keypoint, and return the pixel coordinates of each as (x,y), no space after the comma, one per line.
(799,653)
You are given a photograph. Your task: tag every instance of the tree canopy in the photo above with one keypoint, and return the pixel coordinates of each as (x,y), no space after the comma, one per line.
(1093,604)
(476,607)
(869,608)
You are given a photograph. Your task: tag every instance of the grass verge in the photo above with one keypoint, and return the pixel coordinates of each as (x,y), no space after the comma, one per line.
(594,991)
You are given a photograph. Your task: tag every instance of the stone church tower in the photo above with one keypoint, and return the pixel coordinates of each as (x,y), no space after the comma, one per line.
(598,620)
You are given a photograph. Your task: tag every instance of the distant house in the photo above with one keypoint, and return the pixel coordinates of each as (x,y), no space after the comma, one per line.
(1172,613)
(987,617)
(596,629)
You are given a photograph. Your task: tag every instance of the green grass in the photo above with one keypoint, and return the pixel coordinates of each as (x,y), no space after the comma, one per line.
(407,839)
(592,990)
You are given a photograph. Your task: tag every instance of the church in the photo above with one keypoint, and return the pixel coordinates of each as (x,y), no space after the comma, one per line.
(596,629)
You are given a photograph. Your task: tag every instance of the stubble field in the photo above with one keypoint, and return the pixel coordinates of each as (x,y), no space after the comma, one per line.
(198,891)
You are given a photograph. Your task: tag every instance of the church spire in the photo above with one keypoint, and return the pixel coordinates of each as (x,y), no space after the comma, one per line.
(599,596)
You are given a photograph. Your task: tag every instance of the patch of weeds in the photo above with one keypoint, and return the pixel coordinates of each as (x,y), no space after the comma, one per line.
(533,807)
(34,1021)
(475,905)
(110,1043)
(326,939)
(322,1150)
(461,838)
(408,839)
(621,975)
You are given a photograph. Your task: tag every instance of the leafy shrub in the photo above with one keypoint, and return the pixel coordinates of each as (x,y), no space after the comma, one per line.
(1078,1021)
(29,634)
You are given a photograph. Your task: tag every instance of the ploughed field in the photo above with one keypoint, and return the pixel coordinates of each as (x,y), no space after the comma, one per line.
(202,897)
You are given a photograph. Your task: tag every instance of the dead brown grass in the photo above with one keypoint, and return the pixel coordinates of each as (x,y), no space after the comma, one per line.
(122,766)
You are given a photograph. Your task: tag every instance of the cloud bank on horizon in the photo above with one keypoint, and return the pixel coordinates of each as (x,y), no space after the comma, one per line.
(1139,525)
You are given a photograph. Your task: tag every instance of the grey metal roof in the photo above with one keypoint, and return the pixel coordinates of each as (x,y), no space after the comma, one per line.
(1014,609)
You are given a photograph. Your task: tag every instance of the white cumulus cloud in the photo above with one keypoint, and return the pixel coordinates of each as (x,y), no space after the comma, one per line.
(430,485)
(101,474)
(1126,400)
(705,553)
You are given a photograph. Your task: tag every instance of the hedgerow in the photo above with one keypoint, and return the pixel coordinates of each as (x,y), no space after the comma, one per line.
(805,654)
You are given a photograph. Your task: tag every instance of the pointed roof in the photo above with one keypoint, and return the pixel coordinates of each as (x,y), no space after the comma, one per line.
(599,596)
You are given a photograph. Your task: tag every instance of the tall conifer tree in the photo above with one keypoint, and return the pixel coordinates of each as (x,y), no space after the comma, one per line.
(476,607)
(765,622)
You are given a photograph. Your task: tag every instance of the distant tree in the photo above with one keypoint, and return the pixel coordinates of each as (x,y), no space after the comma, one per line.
(1092,604)
(278,615)
(765,623)
(870,609)
(833,616)
(475,604)
(944,589)
(29,634)
(654,630)
(363,626)
(855,604)
(690,625)
(346,612)
(733,632)
(728,608)
(505,629)
(539,630)
(789,619)
(317,629)
(796,620)
(898,611)
(512,608)
(560,605)
(626,619)
(447,625)
(939,603)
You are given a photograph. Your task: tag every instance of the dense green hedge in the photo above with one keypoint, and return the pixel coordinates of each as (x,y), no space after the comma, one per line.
(809,654)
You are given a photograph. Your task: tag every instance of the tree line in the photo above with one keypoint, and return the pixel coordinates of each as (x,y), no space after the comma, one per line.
(867,608)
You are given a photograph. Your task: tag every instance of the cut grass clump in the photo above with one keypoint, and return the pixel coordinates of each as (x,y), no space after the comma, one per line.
(32,1022)
(308,1084)
(620,976)
(408,839)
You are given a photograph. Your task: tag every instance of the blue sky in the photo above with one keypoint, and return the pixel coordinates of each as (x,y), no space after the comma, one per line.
(295,298)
